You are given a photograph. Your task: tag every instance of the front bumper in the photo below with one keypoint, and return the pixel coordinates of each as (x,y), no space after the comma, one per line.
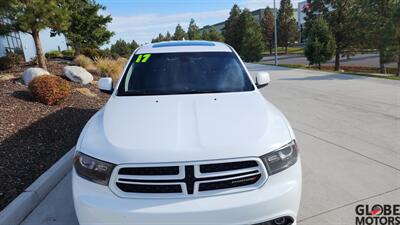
(278,197)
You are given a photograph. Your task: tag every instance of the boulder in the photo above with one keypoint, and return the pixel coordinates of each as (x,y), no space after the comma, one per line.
(30,73)
(78,74)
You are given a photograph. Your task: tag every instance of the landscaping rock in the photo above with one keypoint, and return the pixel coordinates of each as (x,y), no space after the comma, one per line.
(31,73)
(78,74)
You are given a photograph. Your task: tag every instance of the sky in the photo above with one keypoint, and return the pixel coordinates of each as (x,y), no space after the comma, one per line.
(142,20)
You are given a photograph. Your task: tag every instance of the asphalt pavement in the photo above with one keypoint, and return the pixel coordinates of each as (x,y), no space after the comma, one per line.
(364,60)
(348,130)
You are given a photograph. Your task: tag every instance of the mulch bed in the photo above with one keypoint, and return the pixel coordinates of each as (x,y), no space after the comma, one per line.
(33,136)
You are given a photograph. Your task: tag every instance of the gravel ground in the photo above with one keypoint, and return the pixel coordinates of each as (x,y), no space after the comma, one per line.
(33,136)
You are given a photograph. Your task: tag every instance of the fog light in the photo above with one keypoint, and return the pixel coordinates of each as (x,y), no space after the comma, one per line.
(280,221)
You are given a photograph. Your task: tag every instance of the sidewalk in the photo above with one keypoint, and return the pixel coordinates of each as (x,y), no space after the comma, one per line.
(56,208)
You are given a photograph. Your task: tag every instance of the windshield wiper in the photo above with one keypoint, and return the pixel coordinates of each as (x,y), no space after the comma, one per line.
(138,92)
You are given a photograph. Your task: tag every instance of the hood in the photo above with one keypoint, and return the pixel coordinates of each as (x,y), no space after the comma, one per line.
(172,128)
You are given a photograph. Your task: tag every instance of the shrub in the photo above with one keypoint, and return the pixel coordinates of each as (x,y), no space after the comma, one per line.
(85,62)
(50,89)
(4,63)
(10,60)
(68,53)
(110,67)
(53,54)
(92,53)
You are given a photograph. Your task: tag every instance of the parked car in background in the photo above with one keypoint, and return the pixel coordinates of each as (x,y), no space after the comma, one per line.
(187,138)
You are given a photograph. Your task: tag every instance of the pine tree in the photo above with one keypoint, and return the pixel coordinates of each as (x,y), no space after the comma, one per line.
(158,39)
(340,16)
(391,39)
(35,15)
(320,45)
(88,28)
(168,36)
(267,24)
(134,45)
(373,15)
(286,24)
(232,34)
(122,48)
(193,31)
(212,35)
(179,34)
(252,43)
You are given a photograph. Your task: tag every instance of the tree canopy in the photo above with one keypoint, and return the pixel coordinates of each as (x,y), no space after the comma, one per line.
(212,35)
(88,28)
(286,24)
(35,15)
(231,32)
(123,48)
(391,39)
(320,45)
(339,14)
(267,25)
(193,31)
(252,40)
(180,33)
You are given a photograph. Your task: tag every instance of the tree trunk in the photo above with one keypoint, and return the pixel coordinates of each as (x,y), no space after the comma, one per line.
(77,48)
(39,51)
(270,50)
(319,66)
(286,51)
(398,66)
(337,60)
(381,62)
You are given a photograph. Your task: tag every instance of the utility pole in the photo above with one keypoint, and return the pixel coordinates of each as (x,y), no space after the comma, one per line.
(275,37)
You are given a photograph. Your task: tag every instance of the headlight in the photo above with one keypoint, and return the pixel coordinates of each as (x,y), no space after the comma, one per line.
(93,169)
(280,159)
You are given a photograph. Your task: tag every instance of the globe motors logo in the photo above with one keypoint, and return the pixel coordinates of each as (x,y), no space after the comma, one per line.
(378,214)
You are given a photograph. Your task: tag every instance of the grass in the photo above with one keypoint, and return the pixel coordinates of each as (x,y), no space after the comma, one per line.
(281,51)
(353,70)
(84,62)
(111,67)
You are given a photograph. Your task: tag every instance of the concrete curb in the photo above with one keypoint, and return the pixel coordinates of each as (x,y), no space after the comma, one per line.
(23,205)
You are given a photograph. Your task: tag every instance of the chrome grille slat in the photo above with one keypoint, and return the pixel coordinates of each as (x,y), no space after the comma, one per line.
(233,177)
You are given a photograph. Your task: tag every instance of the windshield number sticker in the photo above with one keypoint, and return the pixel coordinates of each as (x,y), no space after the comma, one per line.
(143,58)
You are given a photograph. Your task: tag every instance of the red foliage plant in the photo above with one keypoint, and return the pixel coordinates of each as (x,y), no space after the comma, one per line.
(50,89)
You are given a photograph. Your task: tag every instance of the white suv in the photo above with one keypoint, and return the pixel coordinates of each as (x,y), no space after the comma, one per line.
(187,138)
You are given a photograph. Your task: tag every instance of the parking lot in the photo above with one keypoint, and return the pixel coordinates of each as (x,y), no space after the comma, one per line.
(348,130)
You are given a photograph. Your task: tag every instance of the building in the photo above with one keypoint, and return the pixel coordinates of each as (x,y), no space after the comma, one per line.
(18,41)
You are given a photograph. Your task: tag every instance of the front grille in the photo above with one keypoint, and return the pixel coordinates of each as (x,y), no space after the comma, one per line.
(229,183)
(218,167)
(186,179)
(150,171)
(149,188)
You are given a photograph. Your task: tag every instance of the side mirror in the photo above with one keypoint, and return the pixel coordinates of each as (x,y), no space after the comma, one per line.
(106,85)
(262,79)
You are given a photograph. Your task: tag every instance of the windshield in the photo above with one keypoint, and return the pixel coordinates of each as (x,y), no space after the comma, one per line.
(184,73)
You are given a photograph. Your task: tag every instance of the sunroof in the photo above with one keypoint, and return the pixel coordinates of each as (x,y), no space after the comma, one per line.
(183,43)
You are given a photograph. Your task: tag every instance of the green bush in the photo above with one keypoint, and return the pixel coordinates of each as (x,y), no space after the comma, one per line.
(92,53)
(50,89)
(53,54)
(68,53)
(4,63)
(10,60)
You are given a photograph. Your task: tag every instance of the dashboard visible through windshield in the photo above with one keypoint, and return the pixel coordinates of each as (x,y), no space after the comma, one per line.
(184,73)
